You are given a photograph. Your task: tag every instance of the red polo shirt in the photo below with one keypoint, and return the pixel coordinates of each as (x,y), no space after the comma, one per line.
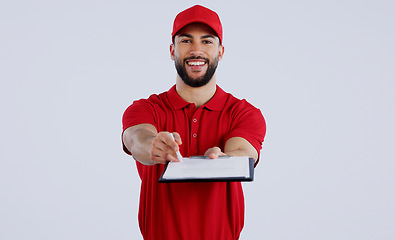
(212,210)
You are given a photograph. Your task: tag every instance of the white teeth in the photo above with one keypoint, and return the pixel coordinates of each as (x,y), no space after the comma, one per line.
(196,63)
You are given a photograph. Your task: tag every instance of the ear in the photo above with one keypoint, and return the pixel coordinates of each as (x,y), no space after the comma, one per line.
(221,50)
(172,51)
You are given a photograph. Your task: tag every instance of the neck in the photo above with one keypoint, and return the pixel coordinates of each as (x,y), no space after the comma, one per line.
(199,96)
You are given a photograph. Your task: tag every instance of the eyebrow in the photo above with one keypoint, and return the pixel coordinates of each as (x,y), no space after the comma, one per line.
(190,36)
(208,36)
(185,35)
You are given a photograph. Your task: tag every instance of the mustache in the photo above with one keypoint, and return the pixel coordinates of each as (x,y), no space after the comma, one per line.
(193,57)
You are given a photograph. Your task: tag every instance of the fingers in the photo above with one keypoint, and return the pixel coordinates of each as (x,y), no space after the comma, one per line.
(213,155)
(164,147)
(163,158)
(161,153)
(214,152)
(177,138)
(168,140)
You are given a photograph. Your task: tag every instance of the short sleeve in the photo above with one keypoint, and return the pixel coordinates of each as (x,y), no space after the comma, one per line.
(141,111)
(248,123)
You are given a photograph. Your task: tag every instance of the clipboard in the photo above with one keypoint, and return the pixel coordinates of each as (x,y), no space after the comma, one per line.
(204,169)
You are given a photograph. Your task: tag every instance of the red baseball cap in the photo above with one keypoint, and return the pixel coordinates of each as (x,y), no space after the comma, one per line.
(198,14)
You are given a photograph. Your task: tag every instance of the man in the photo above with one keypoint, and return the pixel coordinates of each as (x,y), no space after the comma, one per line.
(204,120)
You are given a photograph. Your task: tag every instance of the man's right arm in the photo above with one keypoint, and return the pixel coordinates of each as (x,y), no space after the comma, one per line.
(150,147)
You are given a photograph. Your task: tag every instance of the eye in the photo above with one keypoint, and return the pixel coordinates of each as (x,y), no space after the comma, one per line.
(185,40)
(207,42)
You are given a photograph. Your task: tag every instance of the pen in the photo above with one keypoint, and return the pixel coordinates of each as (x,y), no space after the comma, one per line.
(177,152)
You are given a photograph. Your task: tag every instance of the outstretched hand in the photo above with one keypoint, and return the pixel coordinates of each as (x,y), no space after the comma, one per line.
(164,147)
(214,152)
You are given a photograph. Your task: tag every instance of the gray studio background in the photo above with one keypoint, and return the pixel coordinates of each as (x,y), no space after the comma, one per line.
(322,72)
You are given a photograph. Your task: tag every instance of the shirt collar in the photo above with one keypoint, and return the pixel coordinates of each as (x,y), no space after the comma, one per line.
(216,103)
(175,100)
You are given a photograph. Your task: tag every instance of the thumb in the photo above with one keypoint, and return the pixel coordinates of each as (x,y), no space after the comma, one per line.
(214,152)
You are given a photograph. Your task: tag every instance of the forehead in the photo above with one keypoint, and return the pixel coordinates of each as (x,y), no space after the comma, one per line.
(197,28)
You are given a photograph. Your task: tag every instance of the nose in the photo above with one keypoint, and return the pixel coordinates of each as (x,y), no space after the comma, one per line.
(196,49)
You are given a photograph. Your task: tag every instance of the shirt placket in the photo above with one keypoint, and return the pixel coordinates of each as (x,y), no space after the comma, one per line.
(195,122)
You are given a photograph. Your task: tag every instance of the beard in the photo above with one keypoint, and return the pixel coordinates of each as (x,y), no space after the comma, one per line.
(200,81)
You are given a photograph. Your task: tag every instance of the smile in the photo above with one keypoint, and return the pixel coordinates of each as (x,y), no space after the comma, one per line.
(196,63)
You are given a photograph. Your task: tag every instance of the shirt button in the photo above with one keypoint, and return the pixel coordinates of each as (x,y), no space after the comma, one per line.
(194,120)
(194,135)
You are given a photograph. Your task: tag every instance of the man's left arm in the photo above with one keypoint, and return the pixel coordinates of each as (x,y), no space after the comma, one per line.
(246,133)
(235,146)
